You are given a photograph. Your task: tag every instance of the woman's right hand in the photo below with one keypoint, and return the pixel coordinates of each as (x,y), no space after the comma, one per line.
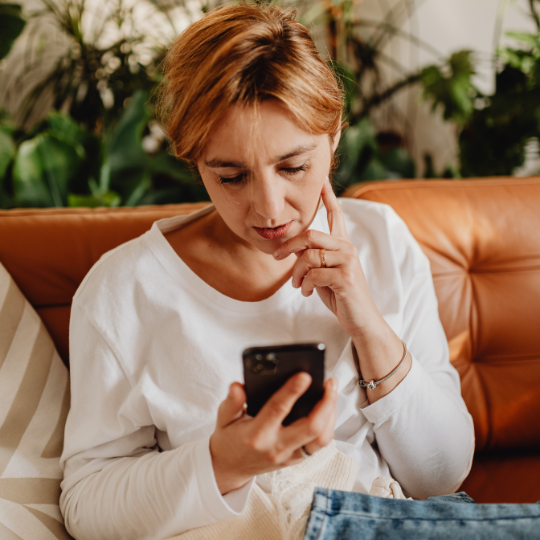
(243,447)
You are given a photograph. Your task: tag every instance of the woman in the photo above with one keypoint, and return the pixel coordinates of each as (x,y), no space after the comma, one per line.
(157,441)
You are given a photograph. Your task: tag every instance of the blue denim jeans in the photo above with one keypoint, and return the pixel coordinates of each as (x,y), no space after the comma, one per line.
(341,515)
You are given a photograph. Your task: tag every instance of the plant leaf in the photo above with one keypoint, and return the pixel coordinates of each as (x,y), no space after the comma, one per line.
(375,170)
(169,165)
(43,168)
(109,198)
(64,127)
(356,142)
(11,26)
(398,162)
(7,152)
(87,145)
(128,162)
(124,148)
(455,91)
(141,187)
(532,40)
(348,81)
(314,15)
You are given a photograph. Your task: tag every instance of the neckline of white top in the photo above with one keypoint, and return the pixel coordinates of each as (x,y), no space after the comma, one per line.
(179,269)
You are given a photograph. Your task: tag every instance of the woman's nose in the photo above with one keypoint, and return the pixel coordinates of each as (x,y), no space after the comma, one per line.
(268,198)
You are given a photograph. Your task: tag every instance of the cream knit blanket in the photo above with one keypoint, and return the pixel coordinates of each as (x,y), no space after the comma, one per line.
(280,511)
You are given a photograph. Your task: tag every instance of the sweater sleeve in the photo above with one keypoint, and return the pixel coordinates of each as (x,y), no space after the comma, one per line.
(117,483)
(423,429)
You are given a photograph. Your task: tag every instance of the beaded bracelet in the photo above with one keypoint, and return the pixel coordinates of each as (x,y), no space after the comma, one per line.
(371,385)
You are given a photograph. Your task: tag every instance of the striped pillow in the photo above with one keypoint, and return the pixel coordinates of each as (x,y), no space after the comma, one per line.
(34,401)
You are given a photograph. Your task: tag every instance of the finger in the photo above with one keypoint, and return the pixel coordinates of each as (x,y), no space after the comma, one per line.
(295,457)
(232,407)
(323,440)
(311,239)
(311,427)
(311,258)
(276,409)
(336,221)
(319,277)
(326,437)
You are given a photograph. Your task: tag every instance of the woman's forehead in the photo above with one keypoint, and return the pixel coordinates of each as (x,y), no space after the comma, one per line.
(268,131)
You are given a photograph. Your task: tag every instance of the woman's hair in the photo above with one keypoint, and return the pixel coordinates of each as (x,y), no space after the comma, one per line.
(244,54)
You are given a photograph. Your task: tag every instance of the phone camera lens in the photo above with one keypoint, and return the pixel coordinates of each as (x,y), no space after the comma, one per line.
(258,357)
(271,357)
(257,368)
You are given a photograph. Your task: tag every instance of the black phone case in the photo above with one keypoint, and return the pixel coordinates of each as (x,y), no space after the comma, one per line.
(266,369)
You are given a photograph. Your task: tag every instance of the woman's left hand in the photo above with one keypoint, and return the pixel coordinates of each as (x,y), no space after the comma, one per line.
(341,285)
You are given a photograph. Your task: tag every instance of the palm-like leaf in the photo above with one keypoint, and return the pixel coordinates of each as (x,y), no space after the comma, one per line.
(11,26)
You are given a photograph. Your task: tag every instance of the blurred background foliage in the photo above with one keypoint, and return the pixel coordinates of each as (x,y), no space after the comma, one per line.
(84,132)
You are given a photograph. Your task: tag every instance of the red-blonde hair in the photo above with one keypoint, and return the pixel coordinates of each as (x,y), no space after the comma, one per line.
(244,54)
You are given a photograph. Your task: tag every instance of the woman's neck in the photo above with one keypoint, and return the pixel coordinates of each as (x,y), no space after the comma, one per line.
(226,262)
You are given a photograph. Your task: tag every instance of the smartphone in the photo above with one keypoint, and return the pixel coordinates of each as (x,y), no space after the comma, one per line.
(266,369)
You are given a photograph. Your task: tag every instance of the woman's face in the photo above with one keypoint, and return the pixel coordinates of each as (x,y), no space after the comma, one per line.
(265,175)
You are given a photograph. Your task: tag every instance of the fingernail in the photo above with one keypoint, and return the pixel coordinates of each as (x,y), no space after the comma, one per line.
(276,254)
(300,376)
(333,385)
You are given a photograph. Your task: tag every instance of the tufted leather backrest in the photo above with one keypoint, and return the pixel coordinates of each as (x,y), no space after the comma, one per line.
(482,238)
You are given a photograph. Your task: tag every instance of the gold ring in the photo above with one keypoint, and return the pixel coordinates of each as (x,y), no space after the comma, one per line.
(322,254)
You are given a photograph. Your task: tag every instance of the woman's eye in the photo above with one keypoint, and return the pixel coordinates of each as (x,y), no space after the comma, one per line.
(233,180)
(294,170)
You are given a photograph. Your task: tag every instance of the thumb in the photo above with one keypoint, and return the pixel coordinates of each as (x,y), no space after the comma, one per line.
(232,407)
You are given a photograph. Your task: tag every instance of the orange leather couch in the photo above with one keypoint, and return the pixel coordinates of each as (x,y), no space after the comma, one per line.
(483,241)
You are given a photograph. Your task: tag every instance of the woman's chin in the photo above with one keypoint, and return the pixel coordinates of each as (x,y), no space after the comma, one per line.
(267,246)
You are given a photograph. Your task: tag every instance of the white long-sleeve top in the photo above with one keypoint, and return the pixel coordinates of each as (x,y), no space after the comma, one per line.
(153,350)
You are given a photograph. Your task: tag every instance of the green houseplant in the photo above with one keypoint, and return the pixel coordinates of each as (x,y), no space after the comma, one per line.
(104,93)
(64,164)
(94,152)
(357,49)
(494,138)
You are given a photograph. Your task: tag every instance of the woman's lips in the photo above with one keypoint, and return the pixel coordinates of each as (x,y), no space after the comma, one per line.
(272,233)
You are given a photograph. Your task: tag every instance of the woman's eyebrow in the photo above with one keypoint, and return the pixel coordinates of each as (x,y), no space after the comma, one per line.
(218,163)
(221,163)
(297,151)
